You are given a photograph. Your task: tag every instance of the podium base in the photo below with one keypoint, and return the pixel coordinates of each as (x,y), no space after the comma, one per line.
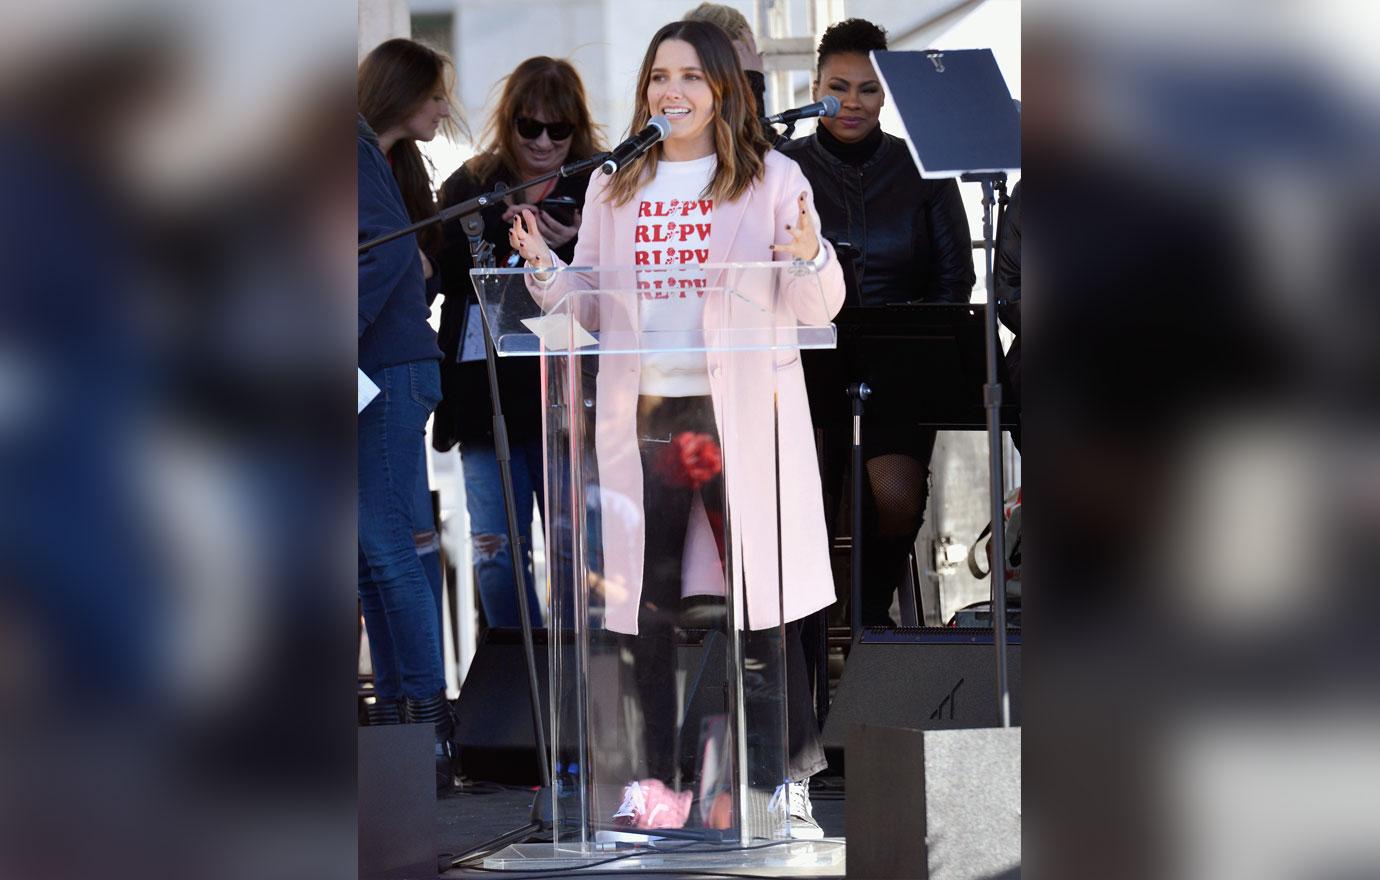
(812,858)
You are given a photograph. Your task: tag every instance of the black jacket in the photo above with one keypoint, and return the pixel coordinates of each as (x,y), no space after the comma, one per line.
(911,234)
(465,412)
(1007,277)
(1007,271)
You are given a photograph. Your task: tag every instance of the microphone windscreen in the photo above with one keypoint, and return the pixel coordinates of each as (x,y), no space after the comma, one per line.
(831,106)
(663,125)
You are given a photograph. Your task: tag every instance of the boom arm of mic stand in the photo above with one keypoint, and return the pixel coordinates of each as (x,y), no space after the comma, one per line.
(484,200)
(462,209)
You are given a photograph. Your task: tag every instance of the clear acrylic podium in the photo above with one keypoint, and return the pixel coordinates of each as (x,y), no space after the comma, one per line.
(666,668)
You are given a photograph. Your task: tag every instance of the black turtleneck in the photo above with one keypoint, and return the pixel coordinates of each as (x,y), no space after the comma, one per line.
(850,154)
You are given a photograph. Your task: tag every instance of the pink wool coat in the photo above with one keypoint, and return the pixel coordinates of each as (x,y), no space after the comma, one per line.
(741,383)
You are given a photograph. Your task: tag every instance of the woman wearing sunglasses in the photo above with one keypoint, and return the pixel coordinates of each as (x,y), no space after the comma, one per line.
(541,122)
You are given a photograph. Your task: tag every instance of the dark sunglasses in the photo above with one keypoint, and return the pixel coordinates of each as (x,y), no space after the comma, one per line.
(532,129)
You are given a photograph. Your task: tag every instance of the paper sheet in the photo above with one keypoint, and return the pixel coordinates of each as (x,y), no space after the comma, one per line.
(554,332)
(367,391)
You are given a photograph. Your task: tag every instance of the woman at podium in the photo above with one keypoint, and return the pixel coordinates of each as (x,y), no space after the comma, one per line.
(910,243)
(674,426)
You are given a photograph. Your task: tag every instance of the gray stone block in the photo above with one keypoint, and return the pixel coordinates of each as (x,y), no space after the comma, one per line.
(938,804)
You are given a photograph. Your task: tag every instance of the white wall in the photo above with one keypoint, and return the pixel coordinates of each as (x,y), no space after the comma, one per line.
(605,40)
(381,20)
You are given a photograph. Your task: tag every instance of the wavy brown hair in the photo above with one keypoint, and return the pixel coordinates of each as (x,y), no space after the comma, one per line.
(394,81)
(738,139)
(540,86)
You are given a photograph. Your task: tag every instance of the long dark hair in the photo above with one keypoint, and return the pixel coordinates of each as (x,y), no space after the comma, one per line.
(395,80)
(738,139)
(539,86)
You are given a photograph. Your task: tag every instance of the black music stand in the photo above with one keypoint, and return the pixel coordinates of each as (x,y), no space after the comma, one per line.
(960,122)
(929,356)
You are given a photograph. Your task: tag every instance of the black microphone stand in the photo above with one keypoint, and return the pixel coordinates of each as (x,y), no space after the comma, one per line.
(482,256)
(778,137)
(995,182)
(857,392)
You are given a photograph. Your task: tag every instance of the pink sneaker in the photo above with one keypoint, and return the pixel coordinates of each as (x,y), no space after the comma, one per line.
(647,804)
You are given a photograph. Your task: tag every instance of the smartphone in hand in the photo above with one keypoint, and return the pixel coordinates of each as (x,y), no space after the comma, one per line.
(561,209)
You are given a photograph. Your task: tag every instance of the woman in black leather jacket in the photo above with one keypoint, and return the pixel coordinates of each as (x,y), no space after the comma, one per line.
(912,243)
(540,122)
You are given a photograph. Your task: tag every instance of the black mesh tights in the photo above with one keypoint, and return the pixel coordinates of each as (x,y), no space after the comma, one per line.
(894,510)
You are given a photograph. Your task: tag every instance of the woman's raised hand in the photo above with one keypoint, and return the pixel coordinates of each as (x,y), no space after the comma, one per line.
(555,233)
(804,243)
(527,240)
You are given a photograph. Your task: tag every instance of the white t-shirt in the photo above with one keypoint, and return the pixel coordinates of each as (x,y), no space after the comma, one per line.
(672,234)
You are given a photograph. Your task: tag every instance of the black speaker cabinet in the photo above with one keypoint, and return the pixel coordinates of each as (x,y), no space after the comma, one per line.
(921,678)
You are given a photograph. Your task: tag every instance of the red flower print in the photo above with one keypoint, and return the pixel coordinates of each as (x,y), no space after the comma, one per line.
(690,460)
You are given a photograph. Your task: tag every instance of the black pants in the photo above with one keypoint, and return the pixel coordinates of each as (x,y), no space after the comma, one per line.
(667,500)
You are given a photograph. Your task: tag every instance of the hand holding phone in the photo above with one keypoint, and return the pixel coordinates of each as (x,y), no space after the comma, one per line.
(561,209)
(558,220)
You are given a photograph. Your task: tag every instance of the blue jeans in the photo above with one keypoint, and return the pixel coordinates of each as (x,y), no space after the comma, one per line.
(394,591)
(493,561)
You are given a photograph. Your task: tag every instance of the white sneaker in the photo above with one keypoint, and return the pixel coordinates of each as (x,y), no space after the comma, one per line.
(792,800)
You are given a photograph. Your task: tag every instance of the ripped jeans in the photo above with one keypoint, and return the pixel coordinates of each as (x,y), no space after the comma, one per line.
(493,564)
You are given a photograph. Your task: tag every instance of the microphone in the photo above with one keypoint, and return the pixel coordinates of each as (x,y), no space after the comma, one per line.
(570,169)
(828,106)
(658,127)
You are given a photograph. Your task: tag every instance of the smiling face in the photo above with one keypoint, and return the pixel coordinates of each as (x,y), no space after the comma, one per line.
(542,154)
(678,89)
(423,124)
(849,76)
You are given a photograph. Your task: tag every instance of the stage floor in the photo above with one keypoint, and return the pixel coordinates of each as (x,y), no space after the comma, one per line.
(466,820)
